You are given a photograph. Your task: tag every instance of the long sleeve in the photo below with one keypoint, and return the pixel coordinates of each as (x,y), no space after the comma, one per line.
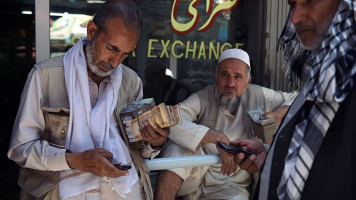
(188,130)
(26,147)
(275,99)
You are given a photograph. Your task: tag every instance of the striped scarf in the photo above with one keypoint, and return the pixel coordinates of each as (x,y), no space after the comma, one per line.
(331,80)
(297,61)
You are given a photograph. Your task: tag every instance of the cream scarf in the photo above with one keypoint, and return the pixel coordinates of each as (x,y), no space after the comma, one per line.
(90,128)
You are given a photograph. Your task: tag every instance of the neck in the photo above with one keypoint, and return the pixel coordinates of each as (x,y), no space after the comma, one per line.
(97,79)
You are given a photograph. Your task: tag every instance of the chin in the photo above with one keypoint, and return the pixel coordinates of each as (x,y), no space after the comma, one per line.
(229,95)
(310,44)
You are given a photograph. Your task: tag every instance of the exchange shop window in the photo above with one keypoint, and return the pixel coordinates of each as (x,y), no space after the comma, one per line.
(188,36)
(180,41)
(66,17)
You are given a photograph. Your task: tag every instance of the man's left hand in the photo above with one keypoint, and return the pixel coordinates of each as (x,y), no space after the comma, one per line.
(277,115)
(155,135)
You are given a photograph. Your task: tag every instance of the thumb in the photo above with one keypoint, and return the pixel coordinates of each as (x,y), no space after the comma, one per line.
(264,116)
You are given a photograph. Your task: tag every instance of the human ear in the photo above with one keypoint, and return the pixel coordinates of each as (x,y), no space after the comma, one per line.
(91,30)
(248,81)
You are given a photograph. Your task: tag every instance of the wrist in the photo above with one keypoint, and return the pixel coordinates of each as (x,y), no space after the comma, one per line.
(157,147)
(223,138)
(70,160)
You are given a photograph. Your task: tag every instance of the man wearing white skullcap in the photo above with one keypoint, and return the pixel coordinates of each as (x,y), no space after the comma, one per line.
(218,113)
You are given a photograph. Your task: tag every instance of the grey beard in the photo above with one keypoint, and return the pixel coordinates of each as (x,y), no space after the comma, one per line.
(93,67)
(229,103)
(322,30)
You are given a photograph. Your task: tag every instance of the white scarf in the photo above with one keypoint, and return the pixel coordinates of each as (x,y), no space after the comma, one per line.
(90,128)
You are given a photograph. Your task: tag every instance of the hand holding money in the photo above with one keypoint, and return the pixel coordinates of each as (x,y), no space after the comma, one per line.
(155,135)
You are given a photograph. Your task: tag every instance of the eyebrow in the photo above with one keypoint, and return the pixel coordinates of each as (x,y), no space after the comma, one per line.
(235,73)
(119,50)
(290,2)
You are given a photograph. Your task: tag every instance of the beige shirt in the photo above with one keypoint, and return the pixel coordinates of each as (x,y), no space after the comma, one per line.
(26,148)
(215,185)
(231,125)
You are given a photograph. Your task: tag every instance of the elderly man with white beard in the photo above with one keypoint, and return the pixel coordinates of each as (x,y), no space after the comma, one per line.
(218,113)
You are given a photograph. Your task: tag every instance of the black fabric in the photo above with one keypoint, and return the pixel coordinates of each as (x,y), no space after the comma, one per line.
(332,175)
(280,152)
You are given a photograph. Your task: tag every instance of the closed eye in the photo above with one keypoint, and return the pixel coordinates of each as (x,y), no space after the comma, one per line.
(238,76)
(112,49)
(291,3)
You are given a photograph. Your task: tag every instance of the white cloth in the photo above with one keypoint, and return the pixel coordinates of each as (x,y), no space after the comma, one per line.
(89,127)
(215,185)
(106,193)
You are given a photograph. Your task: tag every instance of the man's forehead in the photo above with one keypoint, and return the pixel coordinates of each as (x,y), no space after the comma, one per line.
(119,36)
(232,63)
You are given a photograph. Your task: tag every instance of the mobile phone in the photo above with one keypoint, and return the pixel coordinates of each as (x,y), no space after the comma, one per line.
(234,150)
(123,166)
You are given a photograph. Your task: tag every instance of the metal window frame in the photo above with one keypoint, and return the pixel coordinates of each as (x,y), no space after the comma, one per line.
(42,30)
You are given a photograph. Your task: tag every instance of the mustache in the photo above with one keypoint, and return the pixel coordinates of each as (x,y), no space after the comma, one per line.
(300,27)
(107,65)
(227,87)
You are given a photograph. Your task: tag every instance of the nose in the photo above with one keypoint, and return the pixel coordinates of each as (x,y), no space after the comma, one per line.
(299,12)
(230,81)
(117,59)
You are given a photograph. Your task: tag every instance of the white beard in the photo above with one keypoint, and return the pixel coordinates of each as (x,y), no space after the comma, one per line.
(229,103)
(93,67)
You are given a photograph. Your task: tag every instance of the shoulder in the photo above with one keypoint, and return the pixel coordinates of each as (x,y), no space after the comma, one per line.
(206,96)
(128,72)
(254,87)
(50,63)
(207,91)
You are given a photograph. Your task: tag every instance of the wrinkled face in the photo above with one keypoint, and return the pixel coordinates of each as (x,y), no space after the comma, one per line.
(231,77)
(312,19)
(108,48)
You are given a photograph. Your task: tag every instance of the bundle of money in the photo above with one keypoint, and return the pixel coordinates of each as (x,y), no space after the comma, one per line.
(263,129)
(132,112)
(161,115)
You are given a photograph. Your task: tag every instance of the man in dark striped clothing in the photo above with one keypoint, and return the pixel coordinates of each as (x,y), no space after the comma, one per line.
(313,155)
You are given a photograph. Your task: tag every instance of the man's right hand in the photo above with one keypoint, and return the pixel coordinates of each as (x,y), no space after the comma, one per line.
(253,163)
(96,161)
(228,166)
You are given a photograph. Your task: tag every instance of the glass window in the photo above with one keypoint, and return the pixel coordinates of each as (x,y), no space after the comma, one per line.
(180,41)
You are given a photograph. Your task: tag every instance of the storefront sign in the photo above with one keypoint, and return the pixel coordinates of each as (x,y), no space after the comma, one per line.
(188,50)
(185,28)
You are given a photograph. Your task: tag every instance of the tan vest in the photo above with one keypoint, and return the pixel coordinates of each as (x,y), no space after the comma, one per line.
(41,184)
(253,98)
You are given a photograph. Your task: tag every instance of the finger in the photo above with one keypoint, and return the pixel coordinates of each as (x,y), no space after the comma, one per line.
(248,162)
(104,153)
(227,163)
(162,131)
(232,167)
(144,133)
(264,116)
(252,169)
(224,167)
(150,131)
(115,172)
(236,166)
(223,162)
(239,158)
(240,143)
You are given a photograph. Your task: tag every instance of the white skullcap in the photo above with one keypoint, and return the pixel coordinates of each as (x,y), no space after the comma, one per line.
(235,53)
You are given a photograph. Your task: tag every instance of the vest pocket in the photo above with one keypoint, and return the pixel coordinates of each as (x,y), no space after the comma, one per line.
(56,125)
